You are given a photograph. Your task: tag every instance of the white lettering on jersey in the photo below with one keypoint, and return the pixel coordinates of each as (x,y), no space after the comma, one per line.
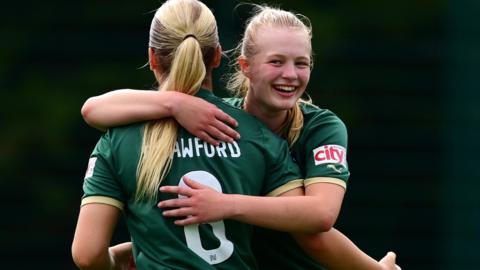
(194,147)
(186,151)
(221,149)
(91,167)
(234,151)
(331,153)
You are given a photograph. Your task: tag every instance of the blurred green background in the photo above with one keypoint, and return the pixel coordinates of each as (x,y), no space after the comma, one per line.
(402,74)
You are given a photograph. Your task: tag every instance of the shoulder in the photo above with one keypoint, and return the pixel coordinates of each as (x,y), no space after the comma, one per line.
(233,107)
(125,134)
(316,115)
(320,120)
(321,127)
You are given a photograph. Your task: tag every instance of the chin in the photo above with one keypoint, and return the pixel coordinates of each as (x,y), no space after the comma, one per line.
(285,106)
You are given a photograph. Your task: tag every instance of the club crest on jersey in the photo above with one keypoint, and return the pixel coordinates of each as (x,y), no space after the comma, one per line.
(331,153)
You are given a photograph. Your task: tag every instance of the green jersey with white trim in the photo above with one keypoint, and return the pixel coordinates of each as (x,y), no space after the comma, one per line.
(320,152)
(257,164)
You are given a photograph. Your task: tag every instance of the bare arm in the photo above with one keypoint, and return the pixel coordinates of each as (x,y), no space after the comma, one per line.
(291,212)
(311,217)
(95,226)
(126,106)
(122,255)
(334,250)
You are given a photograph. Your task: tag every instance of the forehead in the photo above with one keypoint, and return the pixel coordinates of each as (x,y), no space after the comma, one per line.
(282,41)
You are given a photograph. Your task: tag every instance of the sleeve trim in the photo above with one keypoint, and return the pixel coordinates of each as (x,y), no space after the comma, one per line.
(315,180)
(286,187)
(103,200)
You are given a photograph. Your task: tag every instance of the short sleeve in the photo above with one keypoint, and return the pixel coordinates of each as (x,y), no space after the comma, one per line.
(325,149)
(101,184)
(283,174)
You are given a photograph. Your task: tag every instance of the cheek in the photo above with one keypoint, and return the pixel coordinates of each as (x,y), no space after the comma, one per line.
(304,76)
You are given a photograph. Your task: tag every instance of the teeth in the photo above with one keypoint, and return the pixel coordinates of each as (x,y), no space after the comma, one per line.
(285,88)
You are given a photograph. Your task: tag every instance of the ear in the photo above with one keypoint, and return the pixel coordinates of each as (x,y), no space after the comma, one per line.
(244,66)
(152,60)
(217,58)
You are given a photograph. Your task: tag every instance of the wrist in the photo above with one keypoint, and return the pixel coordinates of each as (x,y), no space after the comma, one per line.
(234,203)
(172,101)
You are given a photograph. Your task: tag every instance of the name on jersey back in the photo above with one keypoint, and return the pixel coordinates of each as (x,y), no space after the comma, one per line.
(194,147)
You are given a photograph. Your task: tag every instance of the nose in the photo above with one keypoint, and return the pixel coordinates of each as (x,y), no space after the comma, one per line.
(289,71)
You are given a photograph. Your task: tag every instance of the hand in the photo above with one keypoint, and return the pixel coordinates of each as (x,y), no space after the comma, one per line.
(204,120)
(201,205)
(388,262)
(122,256)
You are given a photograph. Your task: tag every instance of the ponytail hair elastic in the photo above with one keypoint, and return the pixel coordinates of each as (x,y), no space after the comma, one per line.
(190,35)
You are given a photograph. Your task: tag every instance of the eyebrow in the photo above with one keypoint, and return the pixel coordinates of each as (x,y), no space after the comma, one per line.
(283,56)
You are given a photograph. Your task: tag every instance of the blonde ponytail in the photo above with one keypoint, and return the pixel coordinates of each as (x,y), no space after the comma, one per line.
(184,37)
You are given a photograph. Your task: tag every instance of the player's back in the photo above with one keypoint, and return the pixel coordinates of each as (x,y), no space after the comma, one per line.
(256,164)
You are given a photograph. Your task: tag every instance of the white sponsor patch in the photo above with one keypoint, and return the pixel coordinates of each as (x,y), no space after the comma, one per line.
(331,153)
(91,167)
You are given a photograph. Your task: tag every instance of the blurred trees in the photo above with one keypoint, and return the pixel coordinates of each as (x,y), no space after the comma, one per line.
(401,74)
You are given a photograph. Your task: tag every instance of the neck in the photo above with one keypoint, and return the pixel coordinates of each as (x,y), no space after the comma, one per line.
(273,119)
(207,83)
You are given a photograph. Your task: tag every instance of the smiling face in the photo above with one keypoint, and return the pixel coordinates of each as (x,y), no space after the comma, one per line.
(279,70)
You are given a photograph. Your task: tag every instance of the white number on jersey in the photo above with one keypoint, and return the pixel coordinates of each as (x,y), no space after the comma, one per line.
(192,234)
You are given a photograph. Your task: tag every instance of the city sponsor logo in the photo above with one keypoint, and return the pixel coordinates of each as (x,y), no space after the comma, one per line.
(90,167)
(194,147)
(331,153)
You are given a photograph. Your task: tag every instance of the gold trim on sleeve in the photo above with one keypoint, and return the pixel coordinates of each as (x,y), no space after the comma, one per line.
(102,200)
(286,187)
(331,180)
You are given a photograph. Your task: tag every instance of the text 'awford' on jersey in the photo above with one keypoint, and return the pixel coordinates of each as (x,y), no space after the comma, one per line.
(194,147)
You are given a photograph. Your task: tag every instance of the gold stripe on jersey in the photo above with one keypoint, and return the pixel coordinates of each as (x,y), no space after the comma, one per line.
(330,180)
(287,187)
(103,200)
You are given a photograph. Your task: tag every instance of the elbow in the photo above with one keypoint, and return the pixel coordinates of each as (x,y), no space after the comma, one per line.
(316,243)
(324,221)
(87,114)
(86,110)
(86,258)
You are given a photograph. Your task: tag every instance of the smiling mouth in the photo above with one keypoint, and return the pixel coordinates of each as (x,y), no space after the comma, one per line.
(285,88)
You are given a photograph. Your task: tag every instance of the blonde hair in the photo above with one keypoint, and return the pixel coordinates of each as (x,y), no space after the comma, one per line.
(239,84)
(183,37)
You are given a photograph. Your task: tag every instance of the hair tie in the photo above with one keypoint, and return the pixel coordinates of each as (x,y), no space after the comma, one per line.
(190,35)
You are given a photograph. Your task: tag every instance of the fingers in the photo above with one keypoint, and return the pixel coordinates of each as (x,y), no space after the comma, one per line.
(185,191)
(226,132)
(389,260)
(222,128)
(226,118)
(187,221)
(204,136)
(173,203)
(193,184)
(215,131)
(391,256)
(179,212)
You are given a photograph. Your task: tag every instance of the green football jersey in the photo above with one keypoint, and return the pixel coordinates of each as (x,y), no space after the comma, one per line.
(320,151)
(257,164)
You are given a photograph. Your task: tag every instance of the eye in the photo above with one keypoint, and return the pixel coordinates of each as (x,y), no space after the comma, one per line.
(302,64)
(275,62)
